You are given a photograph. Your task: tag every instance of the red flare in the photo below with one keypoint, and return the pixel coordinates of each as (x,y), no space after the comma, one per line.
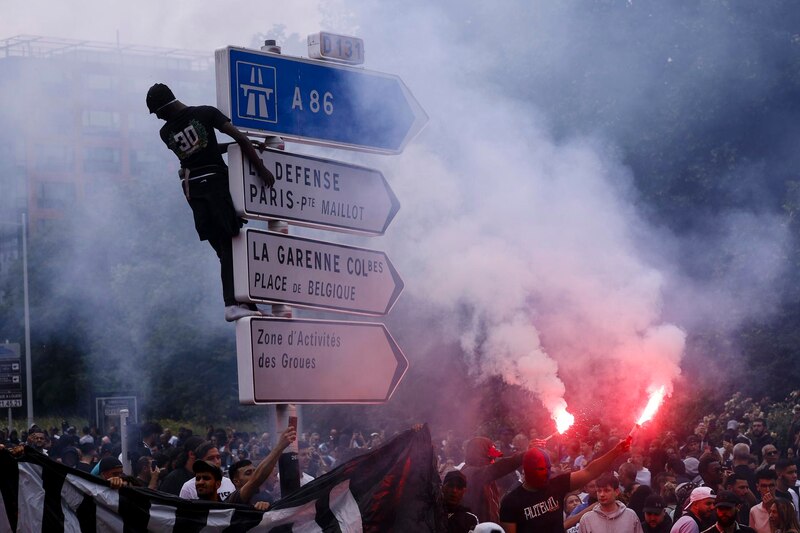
(564,419)
(656,398)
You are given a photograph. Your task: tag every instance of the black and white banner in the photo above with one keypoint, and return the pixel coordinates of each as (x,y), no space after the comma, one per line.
(393,488)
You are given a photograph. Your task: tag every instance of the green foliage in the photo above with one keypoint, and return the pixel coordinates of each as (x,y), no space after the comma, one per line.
(683,414)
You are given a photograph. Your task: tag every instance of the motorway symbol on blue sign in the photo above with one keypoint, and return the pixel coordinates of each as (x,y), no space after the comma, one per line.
(311,191)
(316,361)
(277,268)
(316,102)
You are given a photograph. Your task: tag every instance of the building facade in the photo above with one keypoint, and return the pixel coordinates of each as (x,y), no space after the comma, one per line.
(74,119)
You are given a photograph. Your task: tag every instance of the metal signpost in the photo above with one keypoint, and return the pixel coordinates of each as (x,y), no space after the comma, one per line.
(274,267)
(286,360)
(316,361)
(314,192)
(316,102)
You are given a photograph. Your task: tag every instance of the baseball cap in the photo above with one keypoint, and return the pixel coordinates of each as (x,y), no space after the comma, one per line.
(456,477)
(654,504)
(158,96)
(203,466)
(109,463)
(698,494)
(732,424)
(692,464)
(727,498)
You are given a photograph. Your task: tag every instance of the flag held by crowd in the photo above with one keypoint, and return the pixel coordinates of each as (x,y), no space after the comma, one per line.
(393,488)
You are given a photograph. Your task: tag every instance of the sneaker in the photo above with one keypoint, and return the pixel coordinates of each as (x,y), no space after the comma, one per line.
(235,312)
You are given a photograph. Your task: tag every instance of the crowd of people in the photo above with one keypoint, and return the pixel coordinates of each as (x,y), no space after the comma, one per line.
(591,480)
(168,462)
(598,480)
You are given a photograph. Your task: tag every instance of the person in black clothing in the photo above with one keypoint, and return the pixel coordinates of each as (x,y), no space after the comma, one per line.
(536,505)
(483,465)
(183,473)
(189,133)
(656,519)
(459,518)
(88,455)
(740,486)
(760,437)
(786,488)
(726,508)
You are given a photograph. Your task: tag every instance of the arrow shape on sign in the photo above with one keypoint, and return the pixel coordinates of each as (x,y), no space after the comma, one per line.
(316,102)
(312,191)
(277,268)
(316,361)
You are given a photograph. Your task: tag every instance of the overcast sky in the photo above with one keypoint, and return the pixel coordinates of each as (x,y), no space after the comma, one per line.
(188,24)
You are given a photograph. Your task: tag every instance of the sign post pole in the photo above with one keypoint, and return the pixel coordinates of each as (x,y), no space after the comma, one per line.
(28,369)
(123,428)
(281,359)
(288,466)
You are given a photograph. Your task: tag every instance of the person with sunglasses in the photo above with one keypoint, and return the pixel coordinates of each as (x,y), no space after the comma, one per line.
(771,455)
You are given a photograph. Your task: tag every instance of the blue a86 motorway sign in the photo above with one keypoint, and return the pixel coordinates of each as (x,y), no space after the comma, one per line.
(316,102)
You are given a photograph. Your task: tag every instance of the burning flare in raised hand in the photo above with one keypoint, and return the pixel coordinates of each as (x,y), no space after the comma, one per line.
(656,398)
(563,418)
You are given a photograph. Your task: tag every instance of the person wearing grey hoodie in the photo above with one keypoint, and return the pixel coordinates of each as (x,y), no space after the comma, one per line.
(609,515)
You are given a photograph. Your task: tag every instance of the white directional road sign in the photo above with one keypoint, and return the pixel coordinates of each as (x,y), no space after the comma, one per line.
(311,191)
(316,102)
(316,361)
(293,270)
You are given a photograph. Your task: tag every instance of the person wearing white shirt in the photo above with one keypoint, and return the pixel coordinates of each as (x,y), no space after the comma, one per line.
(209,453)
(759,514)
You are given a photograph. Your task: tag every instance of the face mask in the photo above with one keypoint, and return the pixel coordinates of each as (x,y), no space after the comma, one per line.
(536,467)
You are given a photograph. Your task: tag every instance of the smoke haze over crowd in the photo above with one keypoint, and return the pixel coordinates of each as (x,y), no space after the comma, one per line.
(525,236)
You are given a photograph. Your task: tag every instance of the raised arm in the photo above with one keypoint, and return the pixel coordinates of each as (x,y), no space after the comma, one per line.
(598,466)
(266,466)
(247,148)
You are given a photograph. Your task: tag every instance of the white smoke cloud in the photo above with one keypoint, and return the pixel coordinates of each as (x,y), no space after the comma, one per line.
(568,289)
(528,246)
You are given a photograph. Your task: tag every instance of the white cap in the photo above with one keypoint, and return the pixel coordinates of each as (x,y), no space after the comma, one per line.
(488,527)
(700,493)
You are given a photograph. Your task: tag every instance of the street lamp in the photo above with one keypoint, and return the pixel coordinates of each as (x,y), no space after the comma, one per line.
(28,379)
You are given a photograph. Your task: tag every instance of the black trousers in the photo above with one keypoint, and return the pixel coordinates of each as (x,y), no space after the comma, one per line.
(224,248)
(216,221)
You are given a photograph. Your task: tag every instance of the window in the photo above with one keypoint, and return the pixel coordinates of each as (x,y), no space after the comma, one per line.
(53,157)
(99,82)
(54,194)
(102,159)
(100,121)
